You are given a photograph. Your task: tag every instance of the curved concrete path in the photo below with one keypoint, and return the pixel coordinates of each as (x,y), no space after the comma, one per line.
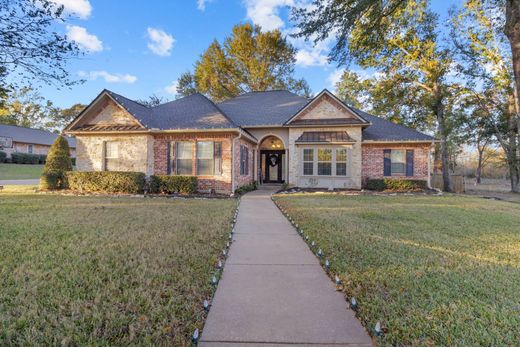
(273,290)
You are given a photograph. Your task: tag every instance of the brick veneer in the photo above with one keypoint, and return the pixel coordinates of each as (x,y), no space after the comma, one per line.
(241,180)
(220,184)
(373,157)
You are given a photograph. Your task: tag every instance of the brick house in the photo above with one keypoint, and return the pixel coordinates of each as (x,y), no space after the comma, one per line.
(269,137)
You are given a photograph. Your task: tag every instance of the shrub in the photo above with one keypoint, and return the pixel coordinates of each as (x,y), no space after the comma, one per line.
(42,158)
(396,185)
(57,163)
(162,184)
(106,181)
(246,188)
(24,158)
(3,156)
(51,181)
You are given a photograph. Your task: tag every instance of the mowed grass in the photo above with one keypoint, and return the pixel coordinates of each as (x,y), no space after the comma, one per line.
(106,271)
(20,171)
(436,271)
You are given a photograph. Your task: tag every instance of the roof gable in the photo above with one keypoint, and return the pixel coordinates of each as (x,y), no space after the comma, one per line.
(324,109)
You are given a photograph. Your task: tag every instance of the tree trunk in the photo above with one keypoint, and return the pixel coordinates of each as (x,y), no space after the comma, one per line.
(441,129)
(478,175)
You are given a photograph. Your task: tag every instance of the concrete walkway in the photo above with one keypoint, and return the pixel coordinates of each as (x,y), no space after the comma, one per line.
(273,290)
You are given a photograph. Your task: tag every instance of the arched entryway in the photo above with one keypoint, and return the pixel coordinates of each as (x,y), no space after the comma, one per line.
(272,160)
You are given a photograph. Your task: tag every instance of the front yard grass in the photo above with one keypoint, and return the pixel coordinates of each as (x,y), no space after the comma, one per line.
(20,171)
(441,271)
(106,271)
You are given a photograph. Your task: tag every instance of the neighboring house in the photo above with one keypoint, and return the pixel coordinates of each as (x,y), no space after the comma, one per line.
(26,140)
(270,137)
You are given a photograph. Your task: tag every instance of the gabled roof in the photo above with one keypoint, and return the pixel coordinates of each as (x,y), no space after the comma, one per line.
(263,108)
(33,136)
(385,130)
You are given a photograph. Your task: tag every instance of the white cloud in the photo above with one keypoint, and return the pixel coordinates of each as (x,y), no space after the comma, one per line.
(80,8)
(334,78)
(201,4)
(160,43)
(85,40)
(172,88)
(108,77)
(266,13)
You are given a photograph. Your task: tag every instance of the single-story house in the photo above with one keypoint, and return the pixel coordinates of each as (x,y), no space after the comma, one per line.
(27,140)
(269,137)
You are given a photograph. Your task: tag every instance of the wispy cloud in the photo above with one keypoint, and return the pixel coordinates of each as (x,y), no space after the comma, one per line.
(80,8)
(161,43)
(84,39)
(108,77)
(172,88)
(201,4)
(334,78)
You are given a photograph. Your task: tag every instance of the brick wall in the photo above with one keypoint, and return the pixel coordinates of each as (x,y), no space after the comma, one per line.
(373,157)
(241,180)
(218,183)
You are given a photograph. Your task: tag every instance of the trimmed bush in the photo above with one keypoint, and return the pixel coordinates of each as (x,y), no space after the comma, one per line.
(3,156)
(24,158)
(246,188)
(57,163)
(42,158)
(395,185)
(163,184)
(51,181)
(106,181)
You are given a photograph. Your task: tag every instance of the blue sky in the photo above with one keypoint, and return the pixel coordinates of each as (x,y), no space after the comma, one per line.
(139,48)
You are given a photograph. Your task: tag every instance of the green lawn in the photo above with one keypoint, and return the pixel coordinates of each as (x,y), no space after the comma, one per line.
(441,271)
(106,271)
(20,171)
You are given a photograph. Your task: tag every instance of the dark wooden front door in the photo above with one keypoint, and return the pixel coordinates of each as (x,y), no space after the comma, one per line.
(273,166)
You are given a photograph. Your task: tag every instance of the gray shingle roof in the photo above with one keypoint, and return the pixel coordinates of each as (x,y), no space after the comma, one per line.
(263,108)
(34,136)
(192,112)
(385,130)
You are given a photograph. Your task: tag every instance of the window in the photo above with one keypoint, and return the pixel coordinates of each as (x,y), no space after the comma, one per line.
(111,155)
(29,149)
(205,158)
(341,162)
(398,161)
(324,162)
(244,160)
(308,161)
(184,158)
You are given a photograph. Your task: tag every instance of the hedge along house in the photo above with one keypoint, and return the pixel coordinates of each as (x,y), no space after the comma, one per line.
(269,137)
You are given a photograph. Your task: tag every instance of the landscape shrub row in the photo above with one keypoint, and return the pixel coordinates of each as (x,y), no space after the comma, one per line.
(3,156)
(28,158)
(246,188)
(106,181)
(163,184)
(395,185)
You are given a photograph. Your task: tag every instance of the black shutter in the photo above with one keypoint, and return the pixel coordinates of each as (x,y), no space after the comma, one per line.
(387,164)
(409,162)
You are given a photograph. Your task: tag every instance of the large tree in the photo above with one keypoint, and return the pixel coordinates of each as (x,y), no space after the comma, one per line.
(399,39)
(486,65)
(248,60)
(31,50)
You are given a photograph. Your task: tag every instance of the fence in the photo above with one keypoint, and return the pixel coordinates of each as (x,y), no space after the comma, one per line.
(457,182)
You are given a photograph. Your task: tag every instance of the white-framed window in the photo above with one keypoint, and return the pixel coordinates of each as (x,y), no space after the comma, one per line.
(324,161)
(341,161)
(111,150)
(308,161)
(205,158)
(184,158)
(30,148)
(398,161)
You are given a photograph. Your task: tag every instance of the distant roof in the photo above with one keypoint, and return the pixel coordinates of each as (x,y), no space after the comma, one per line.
(191,112)
(385,130)
(263,108)
(34,136)
(325,137)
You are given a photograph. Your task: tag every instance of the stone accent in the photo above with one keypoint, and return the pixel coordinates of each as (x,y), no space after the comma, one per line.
(218,183)
(326,108)
(353,178)
(135,152)
(241,180)
(373,160)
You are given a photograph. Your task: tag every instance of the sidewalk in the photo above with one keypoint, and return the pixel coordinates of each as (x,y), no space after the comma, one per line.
(19,182)
(273,290)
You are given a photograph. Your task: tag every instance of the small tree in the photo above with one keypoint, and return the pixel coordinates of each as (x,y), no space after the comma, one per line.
(58,162)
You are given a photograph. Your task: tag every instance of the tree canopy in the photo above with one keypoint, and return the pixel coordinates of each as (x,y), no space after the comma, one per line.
(248,60)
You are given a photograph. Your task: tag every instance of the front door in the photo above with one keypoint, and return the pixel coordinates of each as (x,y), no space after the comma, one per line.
(273,166)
